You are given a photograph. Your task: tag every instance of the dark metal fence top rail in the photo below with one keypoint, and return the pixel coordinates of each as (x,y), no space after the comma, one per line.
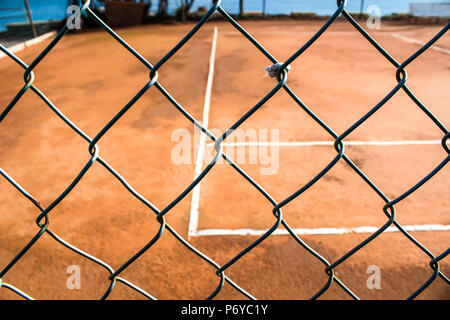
(43,218)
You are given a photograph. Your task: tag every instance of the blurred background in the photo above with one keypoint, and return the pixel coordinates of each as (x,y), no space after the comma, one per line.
(24,19)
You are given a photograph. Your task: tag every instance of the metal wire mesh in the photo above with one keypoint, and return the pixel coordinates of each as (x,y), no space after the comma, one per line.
(43,219)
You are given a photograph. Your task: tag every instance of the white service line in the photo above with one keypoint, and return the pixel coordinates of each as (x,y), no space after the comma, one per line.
(193,217)
(318,231)
(23,45)
(329,143)
(311,32)
(420,43)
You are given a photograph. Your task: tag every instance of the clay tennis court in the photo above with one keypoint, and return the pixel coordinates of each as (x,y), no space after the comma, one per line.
(90,77)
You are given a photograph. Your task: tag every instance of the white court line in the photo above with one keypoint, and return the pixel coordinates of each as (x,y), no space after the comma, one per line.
(318,231)
(23,45)
(193,218)
(343,33)
(420,43)
(329,143)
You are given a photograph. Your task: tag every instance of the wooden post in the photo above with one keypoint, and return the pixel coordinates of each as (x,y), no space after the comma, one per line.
(30,19)
(361,9)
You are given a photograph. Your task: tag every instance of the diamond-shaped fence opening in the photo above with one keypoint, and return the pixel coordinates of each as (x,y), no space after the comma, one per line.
(280,72)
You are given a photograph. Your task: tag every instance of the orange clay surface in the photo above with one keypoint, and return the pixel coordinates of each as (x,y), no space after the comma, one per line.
(90,77)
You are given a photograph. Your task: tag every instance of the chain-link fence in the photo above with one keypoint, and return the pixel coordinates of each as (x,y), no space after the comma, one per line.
(43,219)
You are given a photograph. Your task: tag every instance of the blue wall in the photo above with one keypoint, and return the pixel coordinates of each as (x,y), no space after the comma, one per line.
(41,10)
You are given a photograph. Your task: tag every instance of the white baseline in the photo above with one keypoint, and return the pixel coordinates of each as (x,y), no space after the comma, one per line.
(420,43)
(329,143)
(319,231)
